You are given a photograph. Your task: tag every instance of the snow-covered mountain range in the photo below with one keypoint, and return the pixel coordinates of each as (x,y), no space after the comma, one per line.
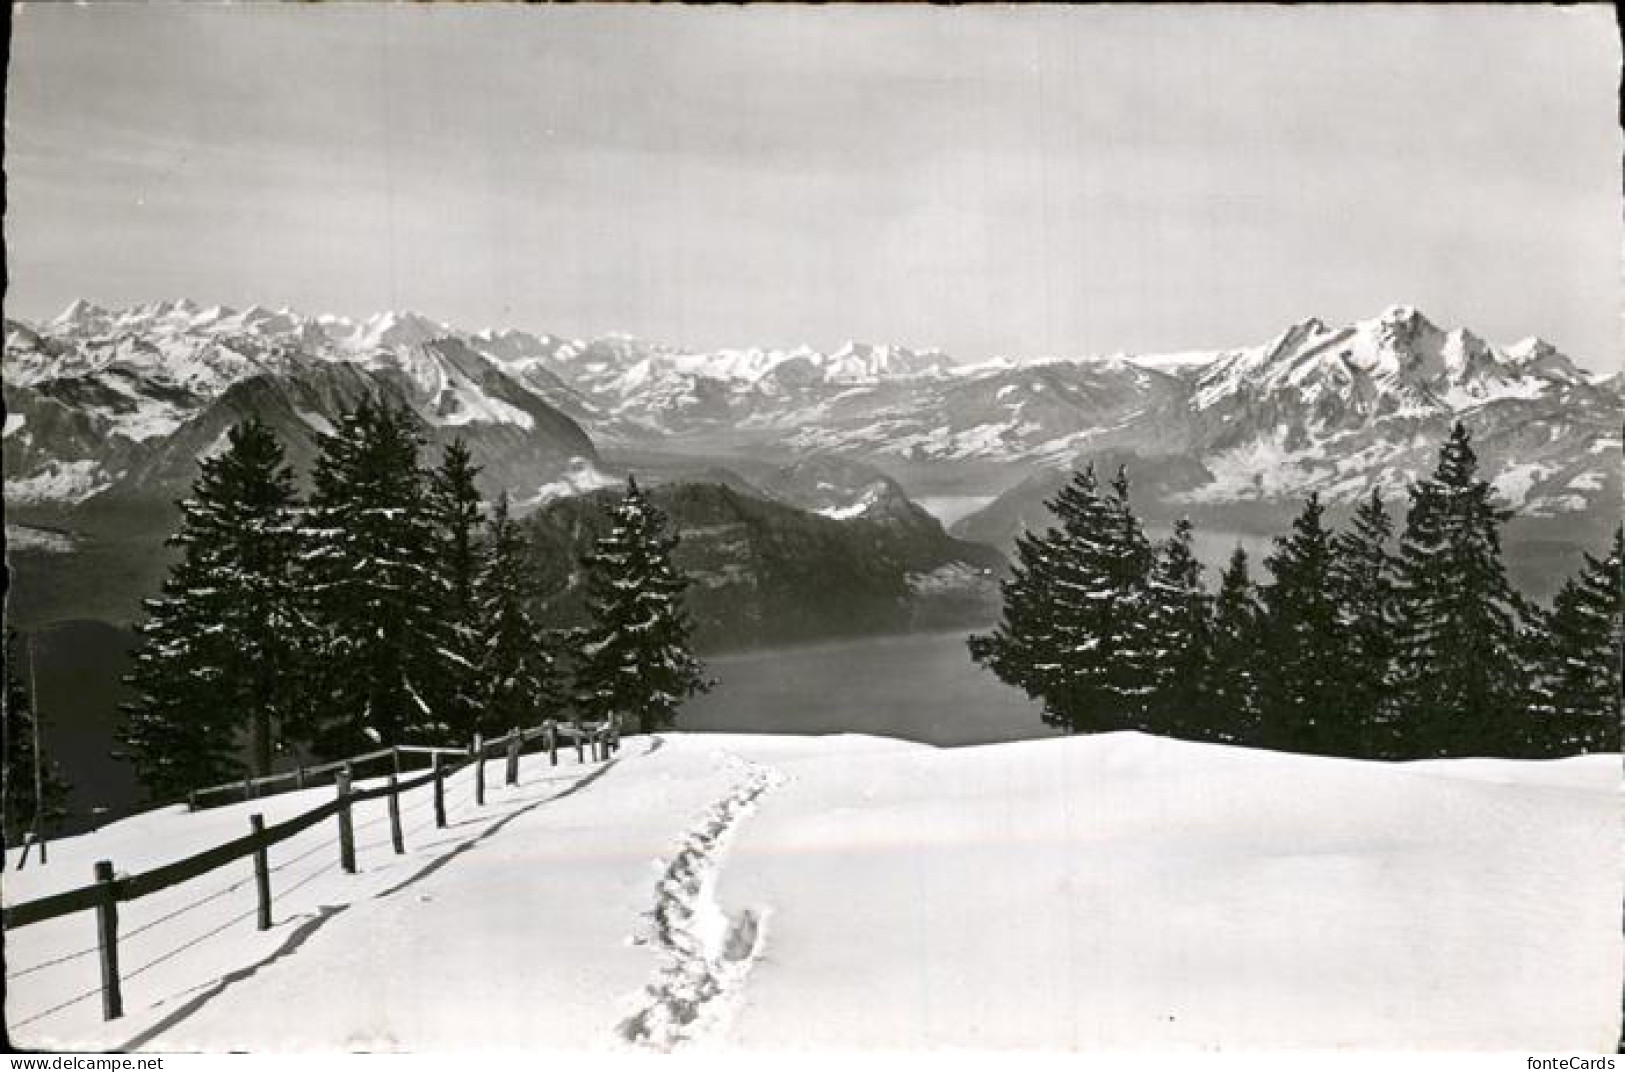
(121,403)
(107,402)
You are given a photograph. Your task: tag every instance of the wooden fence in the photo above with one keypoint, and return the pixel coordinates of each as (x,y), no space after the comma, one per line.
(108,890)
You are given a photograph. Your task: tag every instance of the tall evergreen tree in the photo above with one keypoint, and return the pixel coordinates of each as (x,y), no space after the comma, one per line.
(1460,678)
(1074,633)
(1181,638)
(520,679)
(219,665)
(1299,667)
(636,656)
(1367,615)
(370,547)
(455,506)
(29,803)
(1237,618)
(1581,688)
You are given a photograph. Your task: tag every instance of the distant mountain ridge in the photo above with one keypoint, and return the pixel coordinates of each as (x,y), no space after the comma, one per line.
(110,407)
(764,572)
(95,393)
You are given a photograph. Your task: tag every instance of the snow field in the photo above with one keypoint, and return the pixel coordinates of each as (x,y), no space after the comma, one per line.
(1124,891)
(727,892)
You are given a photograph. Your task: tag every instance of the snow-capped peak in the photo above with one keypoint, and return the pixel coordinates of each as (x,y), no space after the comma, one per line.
(81,314)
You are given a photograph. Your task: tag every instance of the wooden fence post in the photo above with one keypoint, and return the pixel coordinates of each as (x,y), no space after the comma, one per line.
(248,789)
(299,776)
(191,801)
(395,754)
(107,939)
(262,870)
(346,827)
(439,793)
(395,836)
(580,753)
(479,769)
(552,743)
(514,743)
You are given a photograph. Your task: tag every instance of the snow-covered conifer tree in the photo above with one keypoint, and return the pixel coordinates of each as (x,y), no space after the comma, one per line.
(1234,673)
(1580,684)
(370,545)
(456,508)
(222,646)
(1181,639)
(1074,633)
(635,657)
(519,675)
(1300,674)
(1460,676)
(1367,615)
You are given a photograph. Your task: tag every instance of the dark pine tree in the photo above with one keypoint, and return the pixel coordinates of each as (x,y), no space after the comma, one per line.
(1460,679)
(1300,655)
(27,805)
(370,548)
(219,666)
(1580,701)
(1234,673)
(1181,639)
(456,508)
(635,657)
(1074,633)
(520,679)
(1367,616)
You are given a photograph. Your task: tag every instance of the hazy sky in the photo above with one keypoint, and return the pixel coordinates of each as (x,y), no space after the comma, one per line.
(991,180)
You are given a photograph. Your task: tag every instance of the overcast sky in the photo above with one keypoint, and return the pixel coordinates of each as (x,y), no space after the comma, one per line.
(992,181)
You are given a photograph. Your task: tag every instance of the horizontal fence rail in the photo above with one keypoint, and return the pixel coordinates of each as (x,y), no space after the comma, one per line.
(109,889)
(249,787)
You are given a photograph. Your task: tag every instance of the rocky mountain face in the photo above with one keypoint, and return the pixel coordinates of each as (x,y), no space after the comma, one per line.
(767,573)
(1343,410)
(108,412)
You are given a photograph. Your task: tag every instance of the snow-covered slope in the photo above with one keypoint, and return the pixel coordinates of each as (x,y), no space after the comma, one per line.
(771,892)
(123,402)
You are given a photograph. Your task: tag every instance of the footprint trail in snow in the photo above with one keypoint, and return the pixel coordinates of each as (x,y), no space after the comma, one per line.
(708,955)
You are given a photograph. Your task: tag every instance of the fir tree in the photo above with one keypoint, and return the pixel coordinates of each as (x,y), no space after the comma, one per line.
(1074,632)
(1181,637)
(26,809)
(1367,615)
(1237,618)
(521,681)
(1459,675)
(222,644)
(635,655)
(1300,658)
(370,547)
(455,506)
(1580,709)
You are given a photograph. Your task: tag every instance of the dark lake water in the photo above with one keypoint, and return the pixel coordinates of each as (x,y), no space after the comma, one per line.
(920,687)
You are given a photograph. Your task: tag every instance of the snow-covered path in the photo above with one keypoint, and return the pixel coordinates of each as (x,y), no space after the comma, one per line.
(771,892)
(709,953)
(512,927)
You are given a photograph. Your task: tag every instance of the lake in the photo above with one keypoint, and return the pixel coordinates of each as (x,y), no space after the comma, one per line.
(920,687)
